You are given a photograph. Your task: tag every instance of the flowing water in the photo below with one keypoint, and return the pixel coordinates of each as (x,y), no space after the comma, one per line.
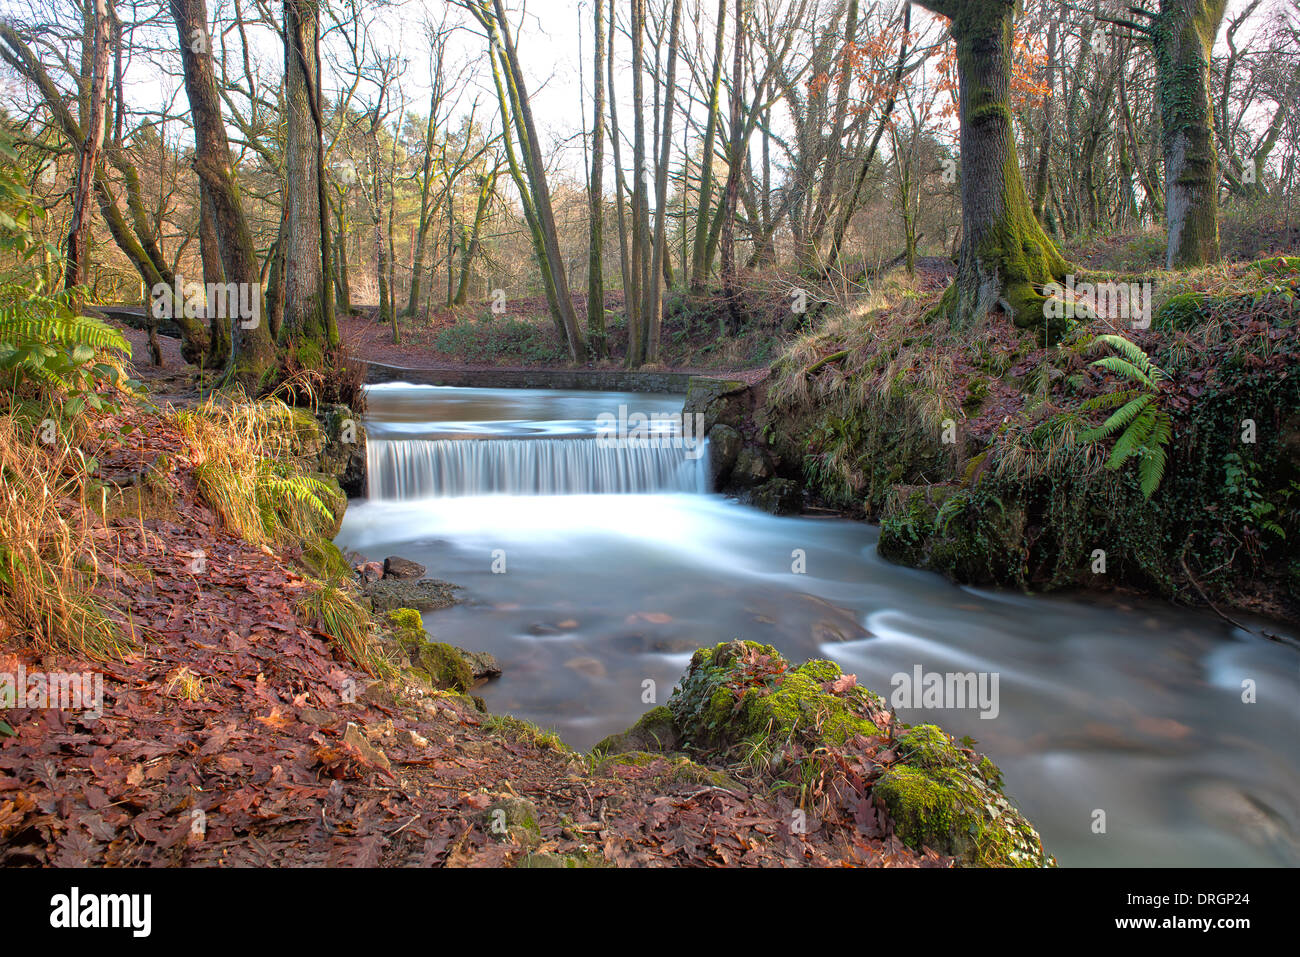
(1131,709)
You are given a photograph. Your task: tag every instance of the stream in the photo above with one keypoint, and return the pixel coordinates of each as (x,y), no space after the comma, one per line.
(592,573)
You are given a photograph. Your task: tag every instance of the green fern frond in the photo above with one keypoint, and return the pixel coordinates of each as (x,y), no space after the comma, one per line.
(1118,420)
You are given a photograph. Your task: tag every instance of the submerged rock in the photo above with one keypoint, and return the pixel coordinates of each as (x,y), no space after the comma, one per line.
(779,496)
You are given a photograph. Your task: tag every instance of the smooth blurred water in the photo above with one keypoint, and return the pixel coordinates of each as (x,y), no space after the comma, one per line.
(1132,708)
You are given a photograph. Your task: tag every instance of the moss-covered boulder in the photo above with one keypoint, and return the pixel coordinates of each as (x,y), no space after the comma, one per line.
(951,800)
(741,692)
(741,699)
(655,731)
(513,818)
(445,666)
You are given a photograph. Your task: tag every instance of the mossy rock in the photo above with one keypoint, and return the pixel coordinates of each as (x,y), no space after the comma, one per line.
(407,622)
(445,665)
(778,496)
(654,731)
(513,818)
(775,703)
(324,560)
(969,535)
(718,400)
(1185,311)
(1276,266)
(941,798)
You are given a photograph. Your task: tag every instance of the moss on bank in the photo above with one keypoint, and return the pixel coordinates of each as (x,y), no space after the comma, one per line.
(972,449)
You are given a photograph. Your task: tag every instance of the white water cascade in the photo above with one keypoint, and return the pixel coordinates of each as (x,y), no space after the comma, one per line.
(442,468)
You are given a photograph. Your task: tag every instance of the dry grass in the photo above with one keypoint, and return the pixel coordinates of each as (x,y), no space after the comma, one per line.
(185,685)
(244,453)
(48,566)
(334,610)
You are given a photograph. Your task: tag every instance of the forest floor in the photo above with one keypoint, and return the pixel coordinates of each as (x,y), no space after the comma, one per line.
(227,737)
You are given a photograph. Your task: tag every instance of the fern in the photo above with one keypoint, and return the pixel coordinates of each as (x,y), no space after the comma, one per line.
(46,344)
(1144,429)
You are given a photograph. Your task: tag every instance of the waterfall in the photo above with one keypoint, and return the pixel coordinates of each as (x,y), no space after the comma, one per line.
(443,468)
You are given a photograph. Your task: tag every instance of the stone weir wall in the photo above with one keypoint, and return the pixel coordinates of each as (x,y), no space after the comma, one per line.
(593,380)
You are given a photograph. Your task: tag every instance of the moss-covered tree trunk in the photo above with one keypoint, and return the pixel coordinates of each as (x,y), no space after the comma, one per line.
(253,348)
(1005,256)
(213,272)
(308,323)
(1183,36)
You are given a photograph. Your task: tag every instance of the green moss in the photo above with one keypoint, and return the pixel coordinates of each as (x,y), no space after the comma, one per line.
(941,798)
(654,731)
(1184,311)
(745,692)
(1276,266)
(406,620)
(444,665)
(324,560)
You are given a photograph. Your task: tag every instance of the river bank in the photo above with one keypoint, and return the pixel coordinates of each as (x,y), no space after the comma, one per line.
(253,711)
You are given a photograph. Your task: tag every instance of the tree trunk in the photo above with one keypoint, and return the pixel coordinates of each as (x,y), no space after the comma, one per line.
(92,141)
(1183,37)
(700,248)
(595,188)
(308,323)
(1049,111)
(253,351)
(640,201)
(530,148)
(620,188)
(1005,255)
(213,272)
(734,162)
(659,272)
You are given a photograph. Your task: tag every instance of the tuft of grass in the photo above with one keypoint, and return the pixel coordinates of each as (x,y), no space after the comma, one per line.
(516,729)
(185,685)
(245,456)
(334,610)
(48,568)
